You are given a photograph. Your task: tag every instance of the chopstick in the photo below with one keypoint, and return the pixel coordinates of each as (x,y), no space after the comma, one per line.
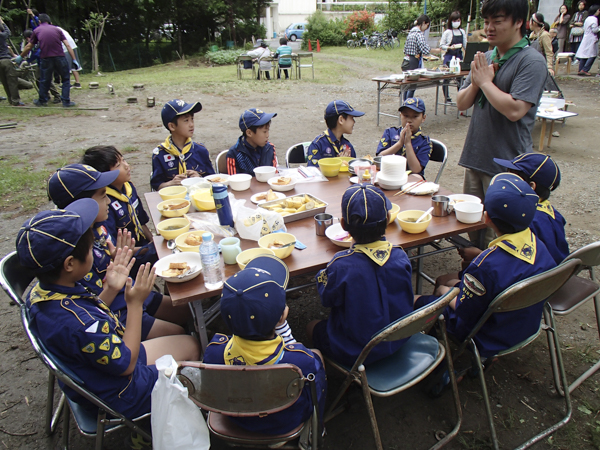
(410,188)
(301,172)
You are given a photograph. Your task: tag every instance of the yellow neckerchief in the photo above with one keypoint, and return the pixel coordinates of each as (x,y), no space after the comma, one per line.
(337,150)
(521,245)
(172,149)
(245,352)
(546,207)
(38,295)
(378,251)
(126,197)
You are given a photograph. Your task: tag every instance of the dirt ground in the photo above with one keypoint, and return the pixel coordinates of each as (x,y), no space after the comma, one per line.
(520,385)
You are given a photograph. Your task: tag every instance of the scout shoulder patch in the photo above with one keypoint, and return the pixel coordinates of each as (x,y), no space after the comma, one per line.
(322,278)
(105,346)
(92,328)
(115,339)
(105,328)
(90,348)
(103,360)
(116,354)
(473,284)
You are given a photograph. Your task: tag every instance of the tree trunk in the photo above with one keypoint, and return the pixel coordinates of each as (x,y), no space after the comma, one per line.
(94,58)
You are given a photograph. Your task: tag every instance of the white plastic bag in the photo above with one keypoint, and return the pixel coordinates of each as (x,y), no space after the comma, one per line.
(177,423)
(255,223)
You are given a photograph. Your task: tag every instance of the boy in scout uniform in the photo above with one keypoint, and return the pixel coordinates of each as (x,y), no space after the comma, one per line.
(77,181)
(517,254)
(367,286)
(543,175)
(252,148)
(252,305)
(76,326)
(339,117)
(179,157)
(408,140)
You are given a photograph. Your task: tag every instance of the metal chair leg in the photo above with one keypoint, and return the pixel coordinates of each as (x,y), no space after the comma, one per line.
(100,429)
(592,370)
(51,414)
(364,383)
(486,398)
(331,413)
(66,417)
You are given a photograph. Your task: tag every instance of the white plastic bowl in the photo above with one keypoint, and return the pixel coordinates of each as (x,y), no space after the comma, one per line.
(281,187)
(240,181)
(263,173)
(191,258)
(468,212)
(191,181)
(334,230)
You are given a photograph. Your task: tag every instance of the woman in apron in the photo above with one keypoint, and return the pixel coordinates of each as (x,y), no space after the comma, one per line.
(453,42)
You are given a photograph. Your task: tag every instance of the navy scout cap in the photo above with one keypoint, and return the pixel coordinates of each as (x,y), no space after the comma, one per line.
(337,107)
(414,103)
(68,182)
(366,201)
(254,117)
(253,300)
(511,200)
(45,240)
(537,166)
(176,108)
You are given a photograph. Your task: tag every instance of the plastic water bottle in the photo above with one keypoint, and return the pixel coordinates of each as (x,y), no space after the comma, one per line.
(454,65)
(211,263)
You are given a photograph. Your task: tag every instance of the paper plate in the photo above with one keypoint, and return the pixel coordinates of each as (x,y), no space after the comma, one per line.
(423,189)
(335,230)
(253,199)
(353,180)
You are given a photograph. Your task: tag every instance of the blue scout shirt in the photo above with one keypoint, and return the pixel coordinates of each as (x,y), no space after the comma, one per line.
(243,158)
(168,160)
(549,227)
(126,211)
(233,350)
(421,144)
(81,331)
(367,287)
(508,259)
(324,146)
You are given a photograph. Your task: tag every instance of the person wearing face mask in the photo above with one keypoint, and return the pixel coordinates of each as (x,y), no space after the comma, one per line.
(541,40)
(453,42)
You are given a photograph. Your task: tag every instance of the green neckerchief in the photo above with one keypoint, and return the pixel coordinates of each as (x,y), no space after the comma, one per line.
(524,42)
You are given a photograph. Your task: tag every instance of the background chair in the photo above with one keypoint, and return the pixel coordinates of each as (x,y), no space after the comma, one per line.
(245,63)
(296,154)
(439,154)
(272,71)
(221,162)
(302,59)
(523,294)
(248,391)
(416,359)
(573,294)
(15,279)
(93,423)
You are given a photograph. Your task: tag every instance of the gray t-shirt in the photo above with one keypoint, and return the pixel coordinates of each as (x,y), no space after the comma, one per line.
(491,135)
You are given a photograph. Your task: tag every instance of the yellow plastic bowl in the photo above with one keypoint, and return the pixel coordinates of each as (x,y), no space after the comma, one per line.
(284,238)
(180,224)
(162,207)
(173,192)
(412,227)
(248,255)
(344,168)
(330,167)
(180,241)
(203,200)
(394,212)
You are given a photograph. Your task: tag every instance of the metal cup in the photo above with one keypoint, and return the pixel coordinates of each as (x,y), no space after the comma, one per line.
(441,205)
(322,222)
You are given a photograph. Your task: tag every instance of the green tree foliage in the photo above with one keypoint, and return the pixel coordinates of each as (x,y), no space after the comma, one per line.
(328,32)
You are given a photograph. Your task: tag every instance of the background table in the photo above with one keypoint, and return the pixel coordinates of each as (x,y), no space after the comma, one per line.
(320,250)
(384,83)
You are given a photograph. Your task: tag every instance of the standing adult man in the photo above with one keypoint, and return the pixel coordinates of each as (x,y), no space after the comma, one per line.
(8,72)
(504,88)
(52,59)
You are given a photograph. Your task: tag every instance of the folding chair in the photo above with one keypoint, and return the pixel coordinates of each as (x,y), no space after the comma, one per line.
(416,359)
(439,154)
(244,62)
(90,422)
(249,391)
(296,154)
(271,71)
(221,162)
(575,293)
(15,279)
(521,295)
(304,65)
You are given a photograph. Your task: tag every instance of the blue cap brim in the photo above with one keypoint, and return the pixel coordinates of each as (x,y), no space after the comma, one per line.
(275,266)
(355,113)
(104,180)
(190,108)
(506,163)
(87,209)
(266,118)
